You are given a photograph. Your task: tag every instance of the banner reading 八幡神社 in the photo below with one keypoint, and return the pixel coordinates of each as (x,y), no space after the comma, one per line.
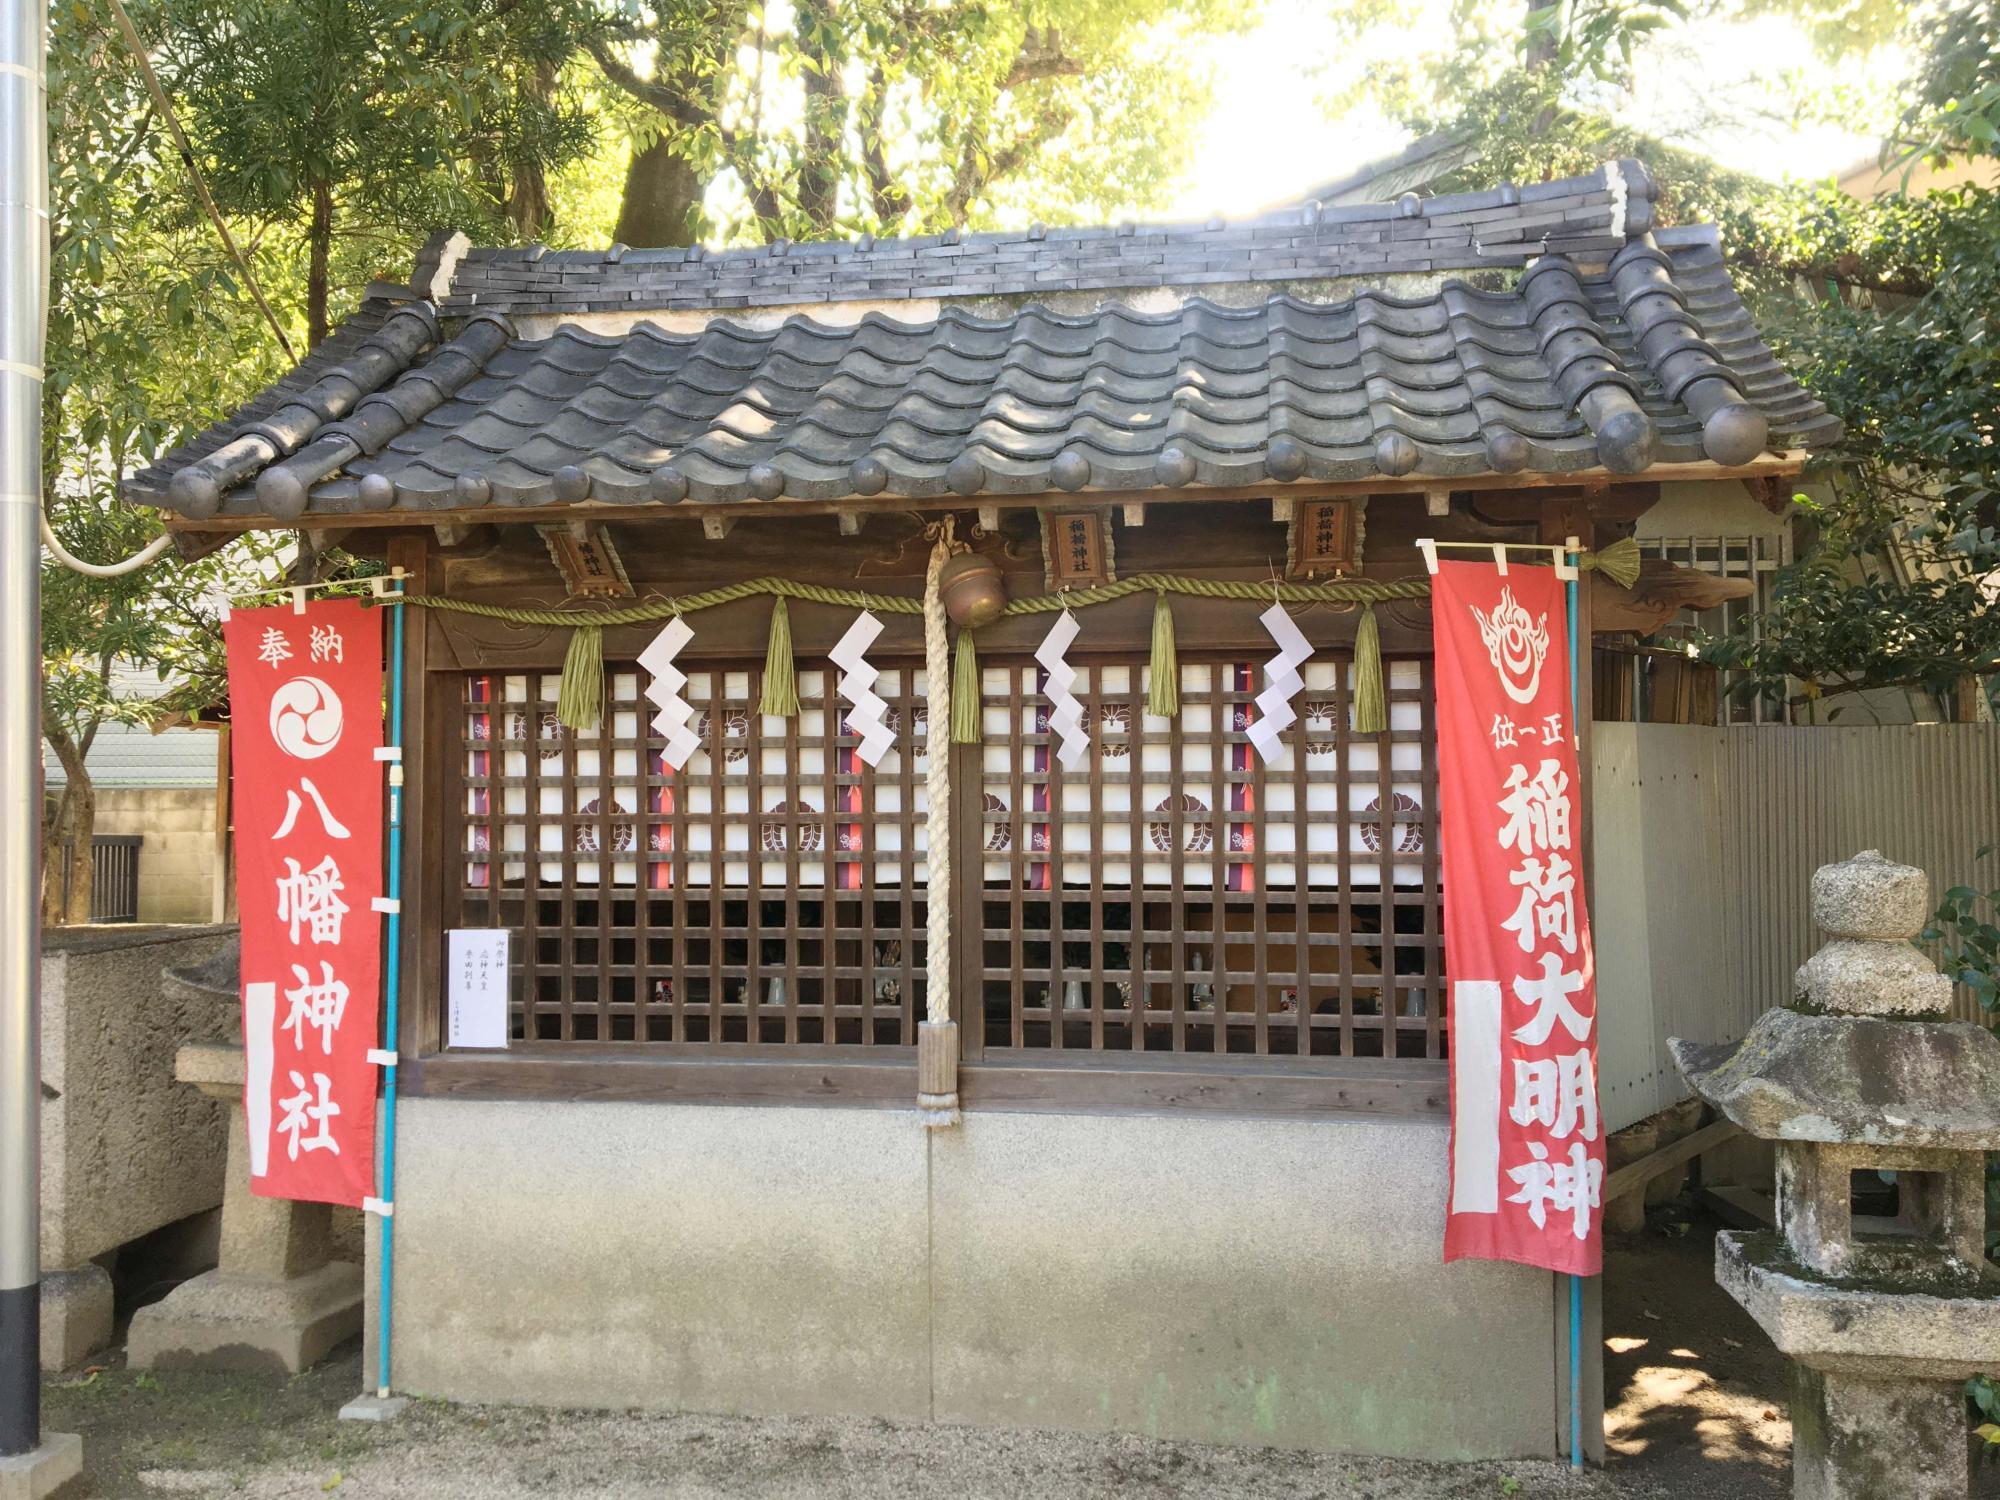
(1527,1153)
(305,699)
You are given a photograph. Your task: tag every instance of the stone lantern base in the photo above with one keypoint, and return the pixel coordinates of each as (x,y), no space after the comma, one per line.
(1879,1404)
(277,1302)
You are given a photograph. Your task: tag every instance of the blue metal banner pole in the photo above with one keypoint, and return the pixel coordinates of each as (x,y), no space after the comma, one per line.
(391,995)
(1573,557)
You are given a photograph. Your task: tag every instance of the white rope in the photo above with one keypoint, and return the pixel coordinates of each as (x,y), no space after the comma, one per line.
(937,693)
(76,564)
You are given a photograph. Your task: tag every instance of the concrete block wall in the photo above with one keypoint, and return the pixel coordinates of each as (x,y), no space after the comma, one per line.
(1235,1280)
(125,1148)
(177,862)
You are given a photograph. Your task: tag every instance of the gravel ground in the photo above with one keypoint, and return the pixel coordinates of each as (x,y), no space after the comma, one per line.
(1695,1398)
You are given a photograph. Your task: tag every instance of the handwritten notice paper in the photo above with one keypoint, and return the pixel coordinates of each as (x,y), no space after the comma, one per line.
(476,978)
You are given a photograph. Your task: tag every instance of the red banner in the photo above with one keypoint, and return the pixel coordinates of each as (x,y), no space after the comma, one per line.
(305,700)
(1527,1156)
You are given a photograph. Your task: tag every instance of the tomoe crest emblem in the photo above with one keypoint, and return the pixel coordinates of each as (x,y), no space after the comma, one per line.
(1516,643)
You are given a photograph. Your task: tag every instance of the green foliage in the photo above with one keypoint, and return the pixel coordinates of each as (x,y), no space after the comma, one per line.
(1594,38)
(1953,105)
(1964,929)
(1968,942)
(875,116)
(1900,588)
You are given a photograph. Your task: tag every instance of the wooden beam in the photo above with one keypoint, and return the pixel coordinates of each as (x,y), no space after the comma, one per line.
(991,506)
(1638,1173)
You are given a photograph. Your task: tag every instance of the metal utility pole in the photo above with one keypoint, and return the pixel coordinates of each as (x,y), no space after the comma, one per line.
(24,251)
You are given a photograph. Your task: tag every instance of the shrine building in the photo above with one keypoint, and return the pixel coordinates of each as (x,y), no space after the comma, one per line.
(1157,1140)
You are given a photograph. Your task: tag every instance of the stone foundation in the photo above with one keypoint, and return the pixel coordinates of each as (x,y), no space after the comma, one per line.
(1215,1279)
(77,1315)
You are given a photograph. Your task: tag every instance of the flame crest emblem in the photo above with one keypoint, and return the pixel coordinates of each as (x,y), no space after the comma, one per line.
(1517,644)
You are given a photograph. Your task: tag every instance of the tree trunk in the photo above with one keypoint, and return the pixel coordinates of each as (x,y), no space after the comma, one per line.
(1539,56)
(820,163)
(72,827)
(527,202)
(319,249)
(662,196)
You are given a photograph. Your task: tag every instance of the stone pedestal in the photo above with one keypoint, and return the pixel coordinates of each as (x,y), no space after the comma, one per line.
(54,1471)
(1882,1110)
(275,1302)
(1857,1438)
(77,1310)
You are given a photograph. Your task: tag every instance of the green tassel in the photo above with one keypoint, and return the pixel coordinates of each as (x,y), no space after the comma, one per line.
(965,726)
(1619,562)
(1370,707)
(781,678)
(580,699)
(1163,676)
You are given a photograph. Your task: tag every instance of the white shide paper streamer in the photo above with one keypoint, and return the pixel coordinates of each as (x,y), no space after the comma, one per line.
(867,714)
(1282,683)
(1066,719)
(663,691)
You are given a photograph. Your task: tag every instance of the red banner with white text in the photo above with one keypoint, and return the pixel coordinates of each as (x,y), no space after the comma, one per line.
(305,700)
(1527,1156)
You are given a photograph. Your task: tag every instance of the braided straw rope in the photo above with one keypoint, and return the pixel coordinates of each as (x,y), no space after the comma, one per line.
(937,691)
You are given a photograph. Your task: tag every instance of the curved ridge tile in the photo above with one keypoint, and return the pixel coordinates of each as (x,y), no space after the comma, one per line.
(1584,367)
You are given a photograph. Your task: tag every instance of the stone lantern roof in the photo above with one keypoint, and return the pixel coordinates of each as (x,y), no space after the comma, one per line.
(1864,1054)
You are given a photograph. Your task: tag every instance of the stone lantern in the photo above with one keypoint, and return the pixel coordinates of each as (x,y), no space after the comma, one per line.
(1870,1094)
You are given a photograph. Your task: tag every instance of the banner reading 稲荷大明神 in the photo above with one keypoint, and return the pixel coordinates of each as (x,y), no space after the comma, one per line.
(1527,1153)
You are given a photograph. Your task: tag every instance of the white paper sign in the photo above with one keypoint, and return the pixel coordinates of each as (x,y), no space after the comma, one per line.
(476,984)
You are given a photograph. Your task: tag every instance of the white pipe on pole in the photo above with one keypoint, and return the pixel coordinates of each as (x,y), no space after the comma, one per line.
(76,564)
(24,270)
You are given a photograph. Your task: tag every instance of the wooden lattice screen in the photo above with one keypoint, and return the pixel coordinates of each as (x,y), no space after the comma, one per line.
(1171,893)
(758,895)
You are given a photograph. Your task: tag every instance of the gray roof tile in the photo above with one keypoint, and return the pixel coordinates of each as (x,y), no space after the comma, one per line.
(1651,359)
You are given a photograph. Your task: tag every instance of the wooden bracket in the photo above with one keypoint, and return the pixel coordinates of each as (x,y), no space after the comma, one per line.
(1281,509)
(1135,512)
(716,527)
(1437,502)
(989,519)
(851,522)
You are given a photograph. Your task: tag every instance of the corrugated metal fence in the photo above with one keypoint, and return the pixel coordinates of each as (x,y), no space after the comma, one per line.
(1705,841)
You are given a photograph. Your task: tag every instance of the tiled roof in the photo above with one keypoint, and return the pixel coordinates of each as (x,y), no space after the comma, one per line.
(1499,227)
(1612,349)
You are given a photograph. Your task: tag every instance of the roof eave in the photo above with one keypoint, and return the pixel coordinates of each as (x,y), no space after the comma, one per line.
(1772,466)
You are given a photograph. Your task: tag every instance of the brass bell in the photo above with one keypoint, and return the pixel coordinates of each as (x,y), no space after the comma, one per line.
(971,589)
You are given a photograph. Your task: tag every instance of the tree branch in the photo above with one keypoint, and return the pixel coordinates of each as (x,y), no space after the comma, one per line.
(649,92)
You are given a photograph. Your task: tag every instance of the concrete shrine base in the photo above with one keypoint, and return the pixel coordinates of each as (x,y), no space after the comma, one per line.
(52,1471)
(1269,1281)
